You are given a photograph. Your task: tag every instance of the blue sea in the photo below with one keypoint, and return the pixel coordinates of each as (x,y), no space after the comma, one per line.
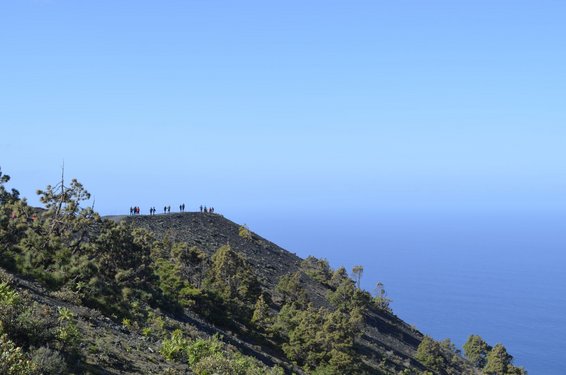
(499,275)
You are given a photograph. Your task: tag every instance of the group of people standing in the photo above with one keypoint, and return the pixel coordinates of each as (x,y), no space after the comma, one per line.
(206,210)
(135,210)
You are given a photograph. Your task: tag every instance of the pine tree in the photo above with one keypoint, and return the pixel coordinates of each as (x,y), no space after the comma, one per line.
(232,279)
(476,350)
(381,301)
(305,340)
(192,262)
(7,196)
(318,269)
(261,317)
(429,353)
(498,361)
(290,290)
(338,276)
(357,272)
(347,297)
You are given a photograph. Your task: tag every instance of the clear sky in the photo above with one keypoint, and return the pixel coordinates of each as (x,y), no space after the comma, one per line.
(287,105)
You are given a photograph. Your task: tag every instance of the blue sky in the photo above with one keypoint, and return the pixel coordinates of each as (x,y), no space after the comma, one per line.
(286,105)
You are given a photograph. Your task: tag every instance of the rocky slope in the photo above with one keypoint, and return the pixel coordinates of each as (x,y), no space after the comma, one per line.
(387,344)
(386,338)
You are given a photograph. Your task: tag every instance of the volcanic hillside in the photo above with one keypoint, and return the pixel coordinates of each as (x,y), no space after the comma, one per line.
(385,338)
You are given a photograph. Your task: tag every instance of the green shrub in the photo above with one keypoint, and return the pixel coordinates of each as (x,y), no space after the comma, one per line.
(68,332)
(227,363)
(245,233)
(208,356)
(12,360)
(214,364)
(8,296)
(126,323)
(48,361)
(173,347)
(25,322)
(201,348)
(156,323)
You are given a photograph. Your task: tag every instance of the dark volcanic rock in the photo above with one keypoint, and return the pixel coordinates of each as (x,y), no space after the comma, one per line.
(210,231)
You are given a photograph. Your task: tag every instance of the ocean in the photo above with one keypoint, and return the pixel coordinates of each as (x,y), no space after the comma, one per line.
(499,275)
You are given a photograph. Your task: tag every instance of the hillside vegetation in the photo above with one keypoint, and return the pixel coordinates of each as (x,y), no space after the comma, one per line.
(192,293)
